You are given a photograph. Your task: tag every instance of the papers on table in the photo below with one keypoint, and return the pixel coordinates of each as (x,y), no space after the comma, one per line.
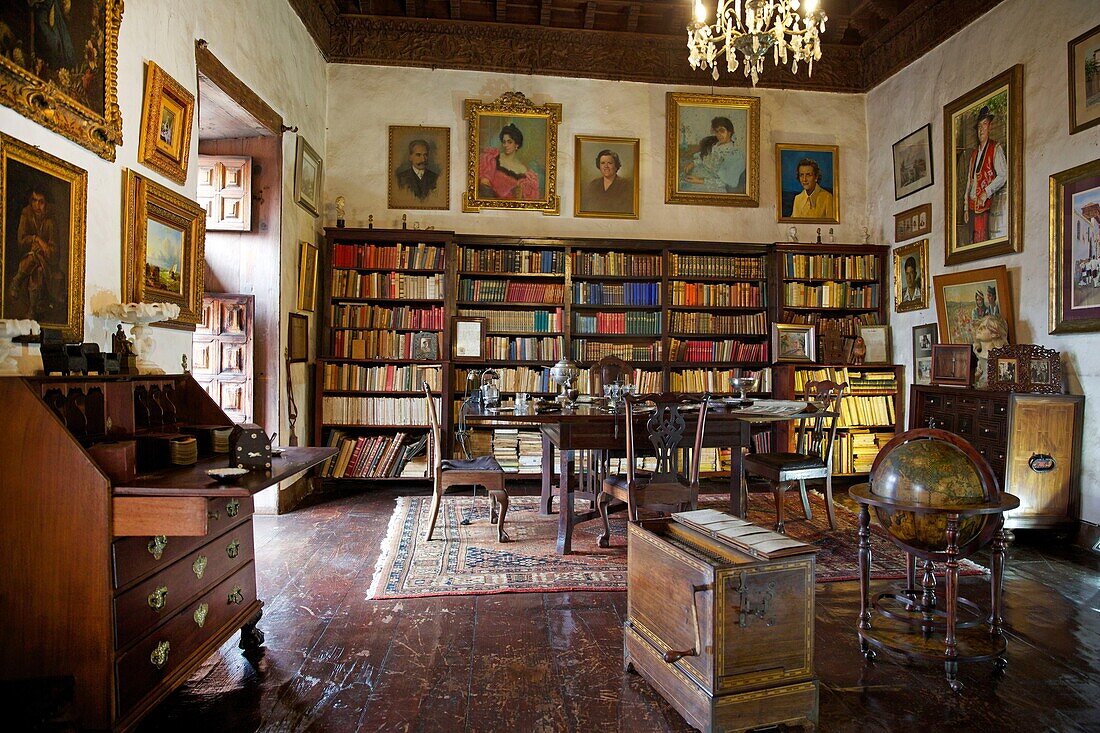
(774,408)
(741,534)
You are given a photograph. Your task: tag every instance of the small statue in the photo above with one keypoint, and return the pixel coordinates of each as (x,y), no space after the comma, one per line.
(370,222)
(792,234)
(121,345)
(859,351)
(341,203)
(832,237)
(866,235)
(404,221)
(183,362)
(819,235)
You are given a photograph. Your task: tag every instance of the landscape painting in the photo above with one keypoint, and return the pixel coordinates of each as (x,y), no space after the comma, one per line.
(163,258)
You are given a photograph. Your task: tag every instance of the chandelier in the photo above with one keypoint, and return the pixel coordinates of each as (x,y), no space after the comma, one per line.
(765,26)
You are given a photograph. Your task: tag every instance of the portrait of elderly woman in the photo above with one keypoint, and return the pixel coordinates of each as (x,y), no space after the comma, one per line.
(613,192)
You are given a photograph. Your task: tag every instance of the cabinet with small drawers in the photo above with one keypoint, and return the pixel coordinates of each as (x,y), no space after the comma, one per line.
(980,416)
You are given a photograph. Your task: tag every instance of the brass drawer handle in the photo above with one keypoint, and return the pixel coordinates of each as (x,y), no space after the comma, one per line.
(159,657)
(236,597)
(214,515)
(200,614)
(199,566)
(232,508)
(233,548)
(158,598)
(156,546)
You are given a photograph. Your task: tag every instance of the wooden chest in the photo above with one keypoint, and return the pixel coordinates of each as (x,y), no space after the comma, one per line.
(725,636)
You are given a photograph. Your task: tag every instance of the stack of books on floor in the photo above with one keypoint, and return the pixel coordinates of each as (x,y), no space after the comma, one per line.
(373,456)
(530,451)
(506,448)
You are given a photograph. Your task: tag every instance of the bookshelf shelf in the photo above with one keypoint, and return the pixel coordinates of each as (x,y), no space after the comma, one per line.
(382,299)
(402,270)
(513,275)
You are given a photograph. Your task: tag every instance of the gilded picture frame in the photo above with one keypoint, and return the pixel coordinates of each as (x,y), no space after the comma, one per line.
(308,171)
(794,343)
(911,276)
(163,249)
(1074,247)
(420,167)
(983,217)
(1084,81)
(166,114)
(798,166)
(706,163)
(512,162)
(75,94)
(43,225)
(307,276)
(606,177)
(297,338)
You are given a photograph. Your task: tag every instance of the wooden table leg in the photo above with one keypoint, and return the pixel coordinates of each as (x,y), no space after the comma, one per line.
(738,494)
(864,578)
(546,497)
(565,504)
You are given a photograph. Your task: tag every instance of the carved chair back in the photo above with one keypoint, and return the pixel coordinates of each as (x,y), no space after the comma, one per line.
(665,426)
(816,434)
(435,452)
(608,370)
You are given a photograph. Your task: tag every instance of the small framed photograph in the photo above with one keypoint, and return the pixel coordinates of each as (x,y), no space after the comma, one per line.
(1084,81)
(307,276)
(420,167)
(808,179)
(605,177)
(951,364)
(913,162)
(794,342)
(307,177)
(469,339)
(1025,368)
(924,338)
(425,346)
(712,150)
(911,277)
(913,222)
(166,114)
(297,338)
(877,341)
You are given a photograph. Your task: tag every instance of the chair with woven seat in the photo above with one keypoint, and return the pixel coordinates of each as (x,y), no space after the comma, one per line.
(478,471)
(665,488)
(812,459)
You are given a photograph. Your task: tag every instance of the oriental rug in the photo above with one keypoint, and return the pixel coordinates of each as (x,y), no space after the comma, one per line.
(468,560)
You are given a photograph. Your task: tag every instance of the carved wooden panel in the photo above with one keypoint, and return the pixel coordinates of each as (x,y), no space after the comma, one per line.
(204,358)
(225,192)
(223,353)
(236,400)
(235,318)
(208,318)
(233,358)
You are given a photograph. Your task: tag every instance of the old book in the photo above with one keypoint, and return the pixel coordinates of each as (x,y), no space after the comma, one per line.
(742,535)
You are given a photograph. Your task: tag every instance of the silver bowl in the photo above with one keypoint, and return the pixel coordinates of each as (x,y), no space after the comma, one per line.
(743,385)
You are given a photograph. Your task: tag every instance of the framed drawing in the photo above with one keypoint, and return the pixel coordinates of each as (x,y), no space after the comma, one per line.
(297,338)
(59,68)
(166,116)
(1084,81)
(1075,249)
(951,364)
(913,222)
(43,226)
(605,177)
(469,339)
(425,346)
(307,276)
(877,340)
(974,302)
(1025,368)
(307,177)
(163,249)
(712,150)
(983,147)
(807,179)
(913,162)
(793,342)
(513,155)
(420,167)
(924,338)
(911,276)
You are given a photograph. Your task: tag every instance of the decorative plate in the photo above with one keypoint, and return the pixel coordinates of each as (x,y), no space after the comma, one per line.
(226,474)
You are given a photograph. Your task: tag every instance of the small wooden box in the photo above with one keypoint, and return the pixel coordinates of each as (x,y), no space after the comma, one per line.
(725,637)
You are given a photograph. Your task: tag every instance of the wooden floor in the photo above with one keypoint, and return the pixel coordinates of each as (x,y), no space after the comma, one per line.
(528,662)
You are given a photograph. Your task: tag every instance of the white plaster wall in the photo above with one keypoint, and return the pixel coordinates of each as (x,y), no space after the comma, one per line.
(1015,32)
(365,100)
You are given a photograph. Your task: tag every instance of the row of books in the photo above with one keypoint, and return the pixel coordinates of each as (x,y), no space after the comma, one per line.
(707,323)
(641,323)
(716,266)
(375,410)
(616,263)
(516,379)
(842,267)
(860,381)
(862,410)
(855,451)
(388,378)
(550,261)
(377,316)
(395,285)
(740,295)
(530,321)
(523,348)
(717,381)
(643,381)
(584,350)
(418,256)
(617,294)
(385,345)
(377,456)
(724,350)
(845,326)
(830,295)
(504,291)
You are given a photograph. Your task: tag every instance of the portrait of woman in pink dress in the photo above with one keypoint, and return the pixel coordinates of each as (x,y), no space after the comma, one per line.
(502,172)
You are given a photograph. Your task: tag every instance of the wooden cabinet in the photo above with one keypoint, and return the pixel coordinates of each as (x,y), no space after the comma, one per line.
(980,416)
(123,585)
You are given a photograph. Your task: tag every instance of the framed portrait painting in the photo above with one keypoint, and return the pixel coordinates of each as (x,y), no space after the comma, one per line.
(307,177)
(513,155)
(307,276)
(1084,81)
(163,249)
(712,150)
(605,177)
(420,167)
(43,225)
(1075,249)
(59,67)
(924,338)
(911,276)
(808,181)
(971,303)
(913,222)
(913,162)
(166,116)
(983,161)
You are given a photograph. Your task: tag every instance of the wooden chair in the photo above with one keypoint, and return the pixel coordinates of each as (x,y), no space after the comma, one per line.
(478,471)
(608,370)
(666,488)
(813,458)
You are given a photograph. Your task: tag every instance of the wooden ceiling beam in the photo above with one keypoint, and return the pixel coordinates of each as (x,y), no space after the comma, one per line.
(632,17)
(590,16)
(456,9)
(544,12)
(412,9)
(502,11)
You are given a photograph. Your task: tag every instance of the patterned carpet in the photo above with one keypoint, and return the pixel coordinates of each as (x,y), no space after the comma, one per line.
(467,559)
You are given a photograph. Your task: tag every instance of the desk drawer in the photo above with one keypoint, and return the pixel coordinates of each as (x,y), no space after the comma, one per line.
(134,557)
(159,597)
(159,655)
